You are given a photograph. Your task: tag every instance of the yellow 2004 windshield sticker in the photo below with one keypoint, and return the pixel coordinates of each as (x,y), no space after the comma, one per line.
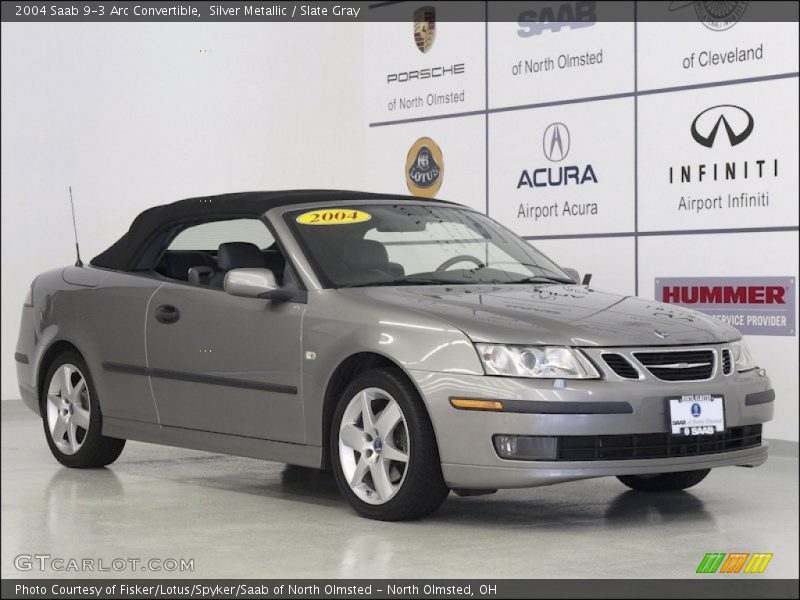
(333,216)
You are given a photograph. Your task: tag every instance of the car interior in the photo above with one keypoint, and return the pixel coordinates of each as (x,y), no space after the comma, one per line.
(208,267)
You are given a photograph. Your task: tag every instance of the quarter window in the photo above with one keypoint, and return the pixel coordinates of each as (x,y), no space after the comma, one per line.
(208,236)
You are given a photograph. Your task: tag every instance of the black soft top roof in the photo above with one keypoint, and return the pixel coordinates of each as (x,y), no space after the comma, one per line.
(126,252)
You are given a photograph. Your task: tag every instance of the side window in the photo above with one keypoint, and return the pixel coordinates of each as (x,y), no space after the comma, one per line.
(202,254)
(208,236)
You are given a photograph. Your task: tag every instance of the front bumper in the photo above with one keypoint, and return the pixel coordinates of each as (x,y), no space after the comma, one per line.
(469,459)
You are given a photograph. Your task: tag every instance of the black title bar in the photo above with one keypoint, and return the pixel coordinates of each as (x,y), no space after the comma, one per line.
(667,11)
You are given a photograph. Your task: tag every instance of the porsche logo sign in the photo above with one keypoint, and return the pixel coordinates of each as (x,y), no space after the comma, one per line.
(425,27)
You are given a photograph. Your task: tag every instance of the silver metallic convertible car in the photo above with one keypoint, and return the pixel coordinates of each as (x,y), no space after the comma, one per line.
(412,346)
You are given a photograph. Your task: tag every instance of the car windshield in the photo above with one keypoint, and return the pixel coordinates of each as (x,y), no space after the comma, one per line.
(411,244)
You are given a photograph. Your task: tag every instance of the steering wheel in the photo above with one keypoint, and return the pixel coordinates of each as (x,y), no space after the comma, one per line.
(457,259)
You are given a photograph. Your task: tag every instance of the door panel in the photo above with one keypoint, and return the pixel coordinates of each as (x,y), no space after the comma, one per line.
(225,364)
(106,323)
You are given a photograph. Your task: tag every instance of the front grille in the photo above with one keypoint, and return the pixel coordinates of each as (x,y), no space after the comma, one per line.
(681,365)
(726,361)
(655,445)
(620,365)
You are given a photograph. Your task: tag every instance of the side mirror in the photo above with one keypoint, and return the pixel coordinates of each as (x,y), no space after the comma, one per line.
(250,283)
(573,273)
(576,277)
(260,283)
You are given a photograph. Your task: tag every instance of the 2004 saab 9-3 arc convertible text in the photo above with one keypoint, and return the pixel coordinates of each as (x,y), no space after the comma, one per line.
(411,346)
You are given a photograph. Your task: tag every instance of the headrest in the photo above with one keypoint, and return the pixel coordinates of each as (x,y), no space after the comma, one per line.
(239,255)
(367,254)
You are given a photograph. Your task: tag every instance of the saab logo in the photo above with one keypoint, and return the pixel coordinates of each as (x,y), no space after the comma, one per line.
(734,563)
(737,122)
(424,168)
(717,16)
(569,14)
(696,410)
(425,27)
(754,305)
(556,143)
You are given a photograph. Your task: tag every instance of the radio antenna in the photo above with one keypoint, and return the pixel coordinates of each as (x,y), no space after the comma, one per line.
(78,262)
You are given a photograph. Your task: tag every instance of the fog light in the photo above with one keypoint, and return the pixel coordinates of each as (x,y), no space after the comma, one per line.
(525,447)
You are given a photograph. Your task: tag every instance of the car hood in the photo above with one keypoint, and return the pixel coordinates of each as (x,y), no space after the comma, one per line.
(573,315)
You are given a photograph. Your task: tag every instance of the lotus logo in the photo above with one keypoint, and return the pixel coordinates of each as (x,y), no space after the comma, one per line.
(736,121)
(696,410)
(424,27)
(556,142)
(424,168)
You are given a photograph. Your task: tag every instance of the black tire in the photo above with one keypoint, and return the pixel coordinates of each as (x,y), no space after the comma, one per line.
(664,482)
(96,450)
(423,489)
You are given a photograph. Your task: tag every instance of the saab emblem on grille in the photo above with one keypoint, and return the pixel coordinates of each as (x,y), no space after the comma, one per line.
(424,27)
(661,334)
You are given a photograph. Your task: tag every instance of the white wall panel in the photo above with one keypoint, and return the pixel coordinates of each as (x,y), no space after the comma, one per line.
(587,186)
(694,53)
(756,181)
(534,62)
(462,142)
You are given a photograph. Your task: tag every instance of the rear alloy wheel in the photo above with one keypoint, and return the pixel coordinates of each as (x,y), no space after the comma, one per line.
(664,482)
(68,409)
(384,452)
(71,416)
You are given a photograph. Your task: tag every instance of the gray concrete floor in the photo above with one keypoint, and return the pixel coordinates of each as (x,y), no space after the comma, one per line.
(238,517)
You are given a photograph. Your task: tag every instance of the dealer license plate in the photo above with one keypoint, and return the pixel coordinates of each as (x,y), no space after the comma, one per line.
(697,415)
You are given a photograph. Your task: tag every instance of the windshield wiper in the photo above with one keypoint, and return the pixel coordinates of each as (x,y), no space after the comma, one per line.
(400,281)
(541,279)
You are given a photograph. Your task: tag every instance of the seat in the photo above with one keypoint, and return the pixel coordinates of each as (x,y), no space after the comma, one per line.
(176,264)
(369,258)
(235,255)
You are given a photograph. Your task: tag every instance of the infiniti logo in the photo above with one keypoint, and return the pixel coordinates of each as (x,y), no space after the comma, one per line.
(556,142)
(737,122)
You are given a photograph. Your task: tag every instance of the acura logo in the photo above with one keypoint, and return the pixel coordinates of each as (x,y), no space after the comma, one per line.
(556,142)
(736,121)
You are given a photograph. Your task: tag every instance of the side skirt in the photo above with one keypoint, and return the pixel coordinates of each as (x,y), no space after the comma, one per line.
(295,454)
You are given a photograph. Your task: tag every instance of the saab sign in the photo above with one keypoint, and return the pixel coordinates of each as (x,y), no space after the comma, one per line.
(754,305)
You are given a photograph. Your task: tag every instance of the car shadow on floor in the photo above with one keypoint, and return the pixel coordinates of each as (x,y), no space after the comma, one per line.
(628,507)
(511,508)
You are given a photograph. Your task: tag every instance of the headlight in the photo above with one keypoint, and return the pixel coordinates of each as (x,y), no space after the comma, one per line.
(547,362)
(742,357)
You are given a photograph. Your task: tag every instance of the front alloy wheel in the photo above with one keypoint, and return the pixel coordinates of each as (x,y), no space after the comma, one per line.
(383,449)
(373,445)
